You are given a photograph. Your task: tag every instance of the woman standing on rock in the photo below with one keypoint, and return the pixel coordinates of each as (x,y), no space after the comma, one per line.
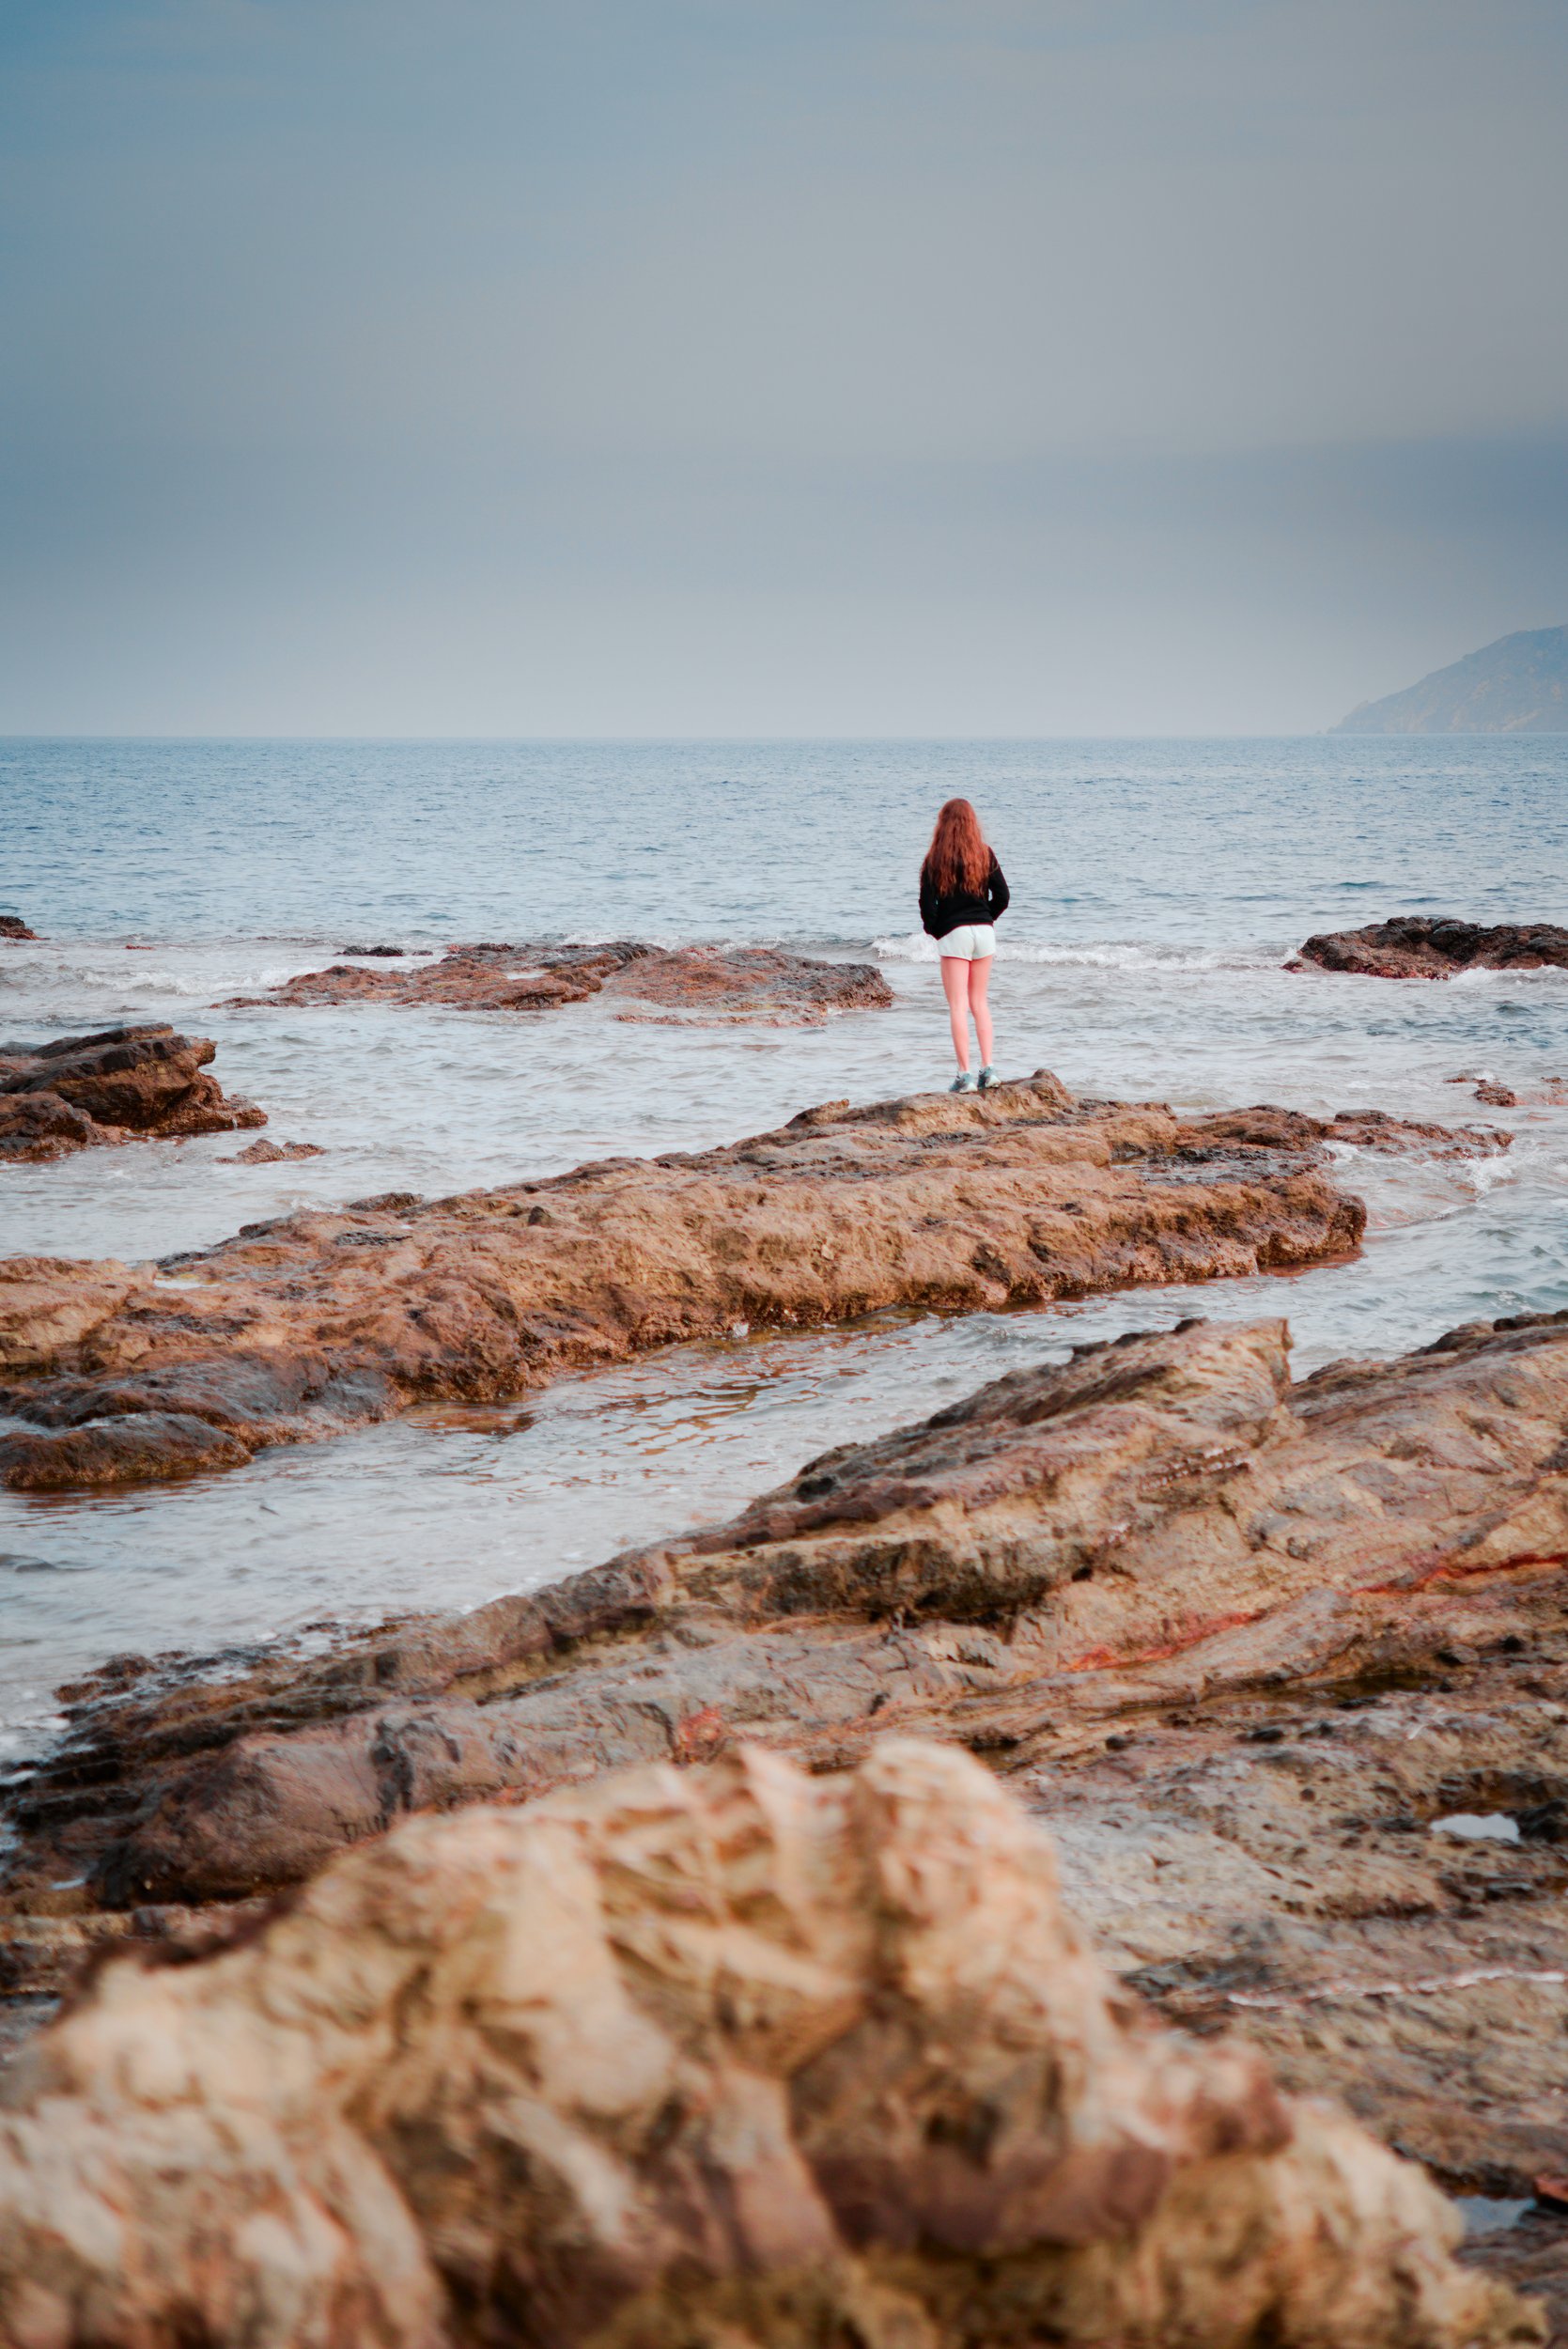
(962,891)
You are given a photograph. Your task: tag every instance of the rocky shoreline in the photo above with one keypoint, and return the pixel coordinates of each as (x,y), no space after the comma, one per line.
(1242,1644)
(324,1319)
(1256,1654)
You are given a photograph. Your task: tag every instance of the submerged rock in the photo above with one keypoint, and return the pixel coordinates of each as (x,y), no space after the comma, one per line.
(735,2056)
(725,983)
(1414,946)
(123,1082)
(1017,1196)
(273,1152)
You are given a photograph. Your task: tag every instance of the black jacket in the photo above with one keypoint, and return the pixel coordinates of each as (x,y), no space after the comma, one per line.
(941,914)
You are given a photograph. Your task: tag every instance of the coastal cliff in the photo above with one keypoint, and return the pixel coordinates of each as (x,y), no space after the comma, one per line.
(1519,685)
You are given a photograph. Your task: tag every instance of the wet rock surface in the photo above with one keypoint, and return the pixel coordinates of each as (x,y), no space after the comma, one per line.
(735,2056)
(83,1091)
(273,1152)
(13,927)
(1416,946)
(725,983)
(1018,1196)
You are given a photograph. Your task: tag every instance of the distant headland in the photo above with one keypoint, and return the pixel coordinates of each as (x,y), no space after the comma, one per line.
(1519,685)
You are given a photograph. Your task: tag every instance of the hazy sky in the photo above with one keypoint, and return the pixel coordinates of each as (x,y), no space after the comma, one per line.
(773,367)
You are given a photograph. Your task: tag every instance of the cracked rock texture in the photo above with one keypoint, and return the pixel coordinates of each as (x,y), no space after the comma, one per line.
(735,2058)
(118,1085)
(1416,946)
(296,1328)
(760,984)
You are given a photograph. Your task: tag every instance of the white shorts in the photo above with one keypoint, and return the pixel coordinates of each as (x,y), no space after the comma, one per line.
(972,943)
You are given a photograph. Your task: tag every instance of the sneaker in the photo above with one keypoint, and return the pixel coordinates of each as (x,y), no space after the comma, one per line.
(962,1083)
(989,1078)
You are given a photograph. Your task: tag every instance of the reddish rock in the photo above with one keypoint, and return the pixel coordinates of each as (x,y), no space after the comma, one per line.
(13,927)
(273,1152)
(1414,946)
(124,1082)
(727,2056)
(1012,1197)
(729,983)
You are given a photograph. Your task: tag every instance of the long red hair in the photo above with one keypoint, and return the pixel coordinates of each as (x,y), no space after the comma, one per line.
(957,858)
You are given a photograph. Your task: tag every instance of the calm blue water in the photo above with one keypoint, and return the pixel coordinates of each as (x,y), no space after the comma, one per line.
(1235,843)
(1158,887)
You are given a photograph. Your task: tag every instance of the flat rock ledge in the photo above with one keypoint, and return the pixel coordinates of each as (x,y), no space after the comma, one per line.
(1243,1645)
(734,2058)
(297,1328)
(725,984)
(121,1084)
(1414,946)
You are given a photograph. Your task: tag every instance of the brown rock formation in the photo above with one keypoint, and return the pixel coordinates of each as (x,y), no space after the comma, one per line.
(732,2057)
(1013,1197)
(707,983)
(123,1082)
(13,927)
(1414,946)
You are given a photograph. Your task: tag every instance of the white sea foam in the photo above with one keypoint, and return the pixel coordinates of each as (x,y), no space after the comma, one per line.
(1116,954)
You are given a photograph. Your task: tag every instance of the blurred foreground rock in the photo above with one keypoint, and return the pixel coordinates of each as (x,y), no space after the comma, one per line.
(118,1085)
(760,984)
(729,2059)
(328,1317)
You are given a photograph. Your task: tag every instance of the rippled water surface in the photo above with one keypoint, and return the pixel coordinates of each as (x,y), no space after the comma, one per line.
(1158,888)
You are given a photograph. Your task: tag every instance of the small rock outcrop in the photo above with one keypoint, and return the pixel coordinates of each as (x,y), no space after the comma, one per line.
(735,2056)
(325,1318)
(13,927)
(1416,946)
(83,1091)
(273,1152)
(760,984)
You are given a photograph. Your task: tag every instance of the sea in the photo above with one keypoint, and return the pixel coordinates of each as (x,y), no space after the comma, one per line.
(1158,887)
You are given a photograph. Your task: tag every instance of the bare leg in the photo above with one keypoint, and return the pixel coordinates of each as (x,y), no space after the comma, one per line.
(955,987)
(979,978)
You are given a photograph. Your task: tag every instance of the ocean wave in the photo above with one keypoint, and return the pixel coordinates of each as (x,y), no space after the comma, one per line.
(1549,972)
(1109,954)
